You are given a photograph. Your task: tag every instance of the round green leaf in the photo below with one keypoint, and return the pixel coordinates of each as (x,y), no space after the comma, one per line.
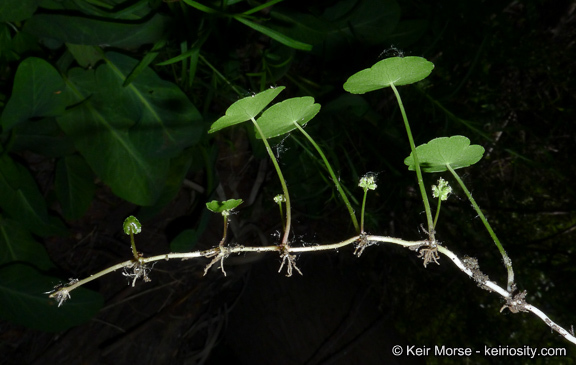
(455,151)
(282,117)
(396,70)
(220,207)
(246,109)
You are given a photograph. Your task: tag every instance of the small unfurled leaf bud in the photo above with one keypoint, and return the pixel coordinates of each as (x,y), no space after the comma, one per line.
(132,225)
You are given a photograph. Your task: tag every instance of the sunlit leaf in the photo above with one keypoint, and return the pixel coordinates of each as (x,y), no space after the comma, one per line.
(280,118)
(246,109)
(455,151)
(219,207)
(396,70)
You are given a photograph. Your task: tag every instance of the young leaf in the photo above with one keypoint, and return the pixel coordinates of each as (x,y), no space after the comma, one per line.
(396,70)
(246,109)
(439,152)
(132,225)
(281,118)
(219,207)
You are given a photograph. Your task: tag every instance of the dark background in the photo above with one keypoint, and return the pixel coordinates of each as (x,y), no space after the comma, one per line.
(503,77)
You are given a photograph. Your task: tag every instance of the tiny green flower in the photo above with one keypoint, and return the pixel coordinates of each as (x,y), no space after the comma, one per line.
(280,198)
(368,181)
(132,225)
(442,190)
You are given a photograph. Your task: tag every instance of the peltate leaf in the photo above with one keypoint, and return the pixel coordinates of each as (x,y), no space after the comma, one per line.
(24,301)
(280,118)
(396,70)
(246,109)
(455,151)
(37,92)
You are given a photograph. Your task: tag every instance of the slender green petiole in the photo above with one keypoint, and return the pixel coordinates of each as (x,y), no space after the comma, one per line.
(362,211)
(279,199)
(225,215)
(334,178)
(437,212)
(134,251)
(282,182)
(367,182)
(507,261)
(417,165)
(131,227)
